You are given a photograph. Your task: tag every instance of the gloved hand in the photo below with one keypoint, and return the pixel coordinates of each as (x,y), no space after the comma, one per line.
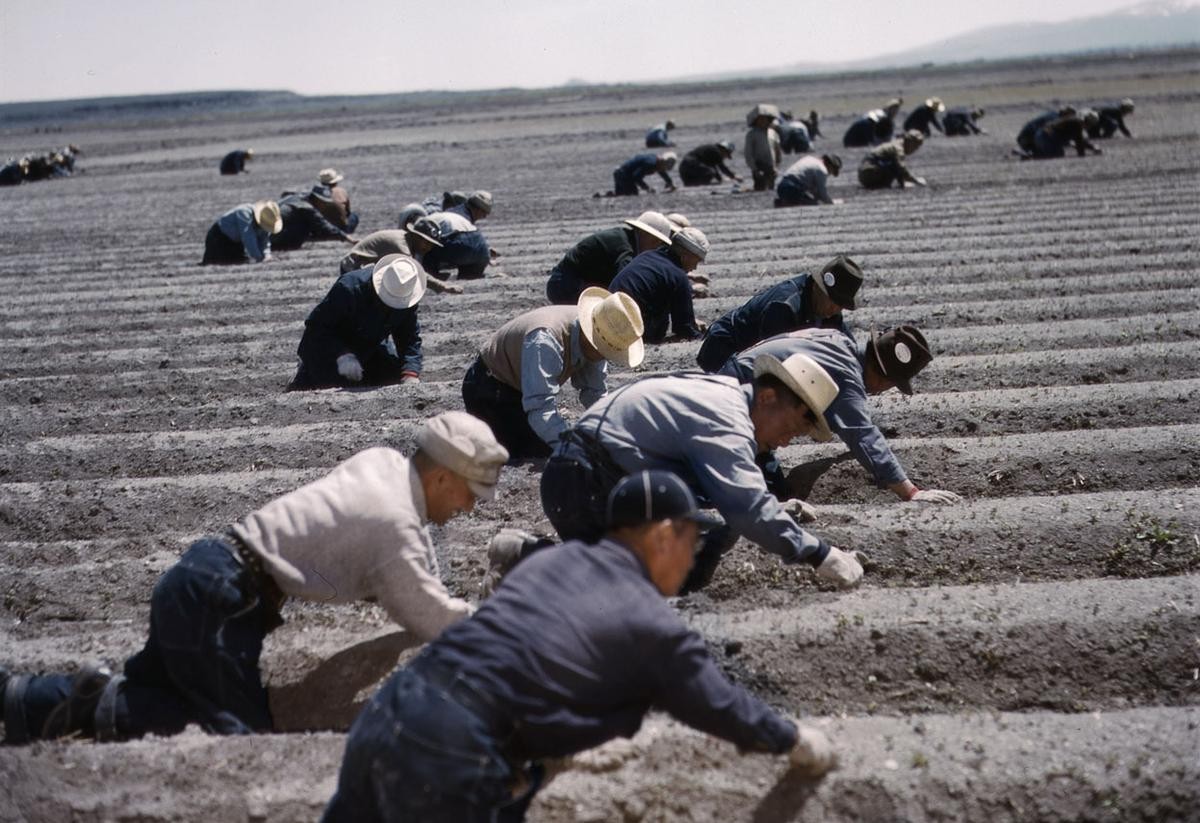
(920,181)
(801,511)
(935,496)
(843,568)
(503,552)
(813,754)
(349,368)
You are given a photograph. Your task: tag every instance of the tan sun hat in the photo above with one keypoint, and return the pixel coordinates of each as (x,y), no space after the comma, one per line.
(654,224)
(330,177)
(678,221)
(267,216)
(613,324)
(807,380)
(399,281)
(465,445)
(935,103)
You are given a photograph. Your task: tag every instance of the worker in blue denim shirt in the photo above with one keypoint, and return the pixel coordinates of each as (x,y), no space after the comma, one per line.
(345,340)
(658,281)
(883,362)
(243,234)
(573,649)
(659,137)
(630,176)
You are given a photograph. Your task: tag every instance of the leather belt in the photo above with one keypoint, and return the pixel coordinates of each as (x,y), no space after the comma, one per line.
(252,562)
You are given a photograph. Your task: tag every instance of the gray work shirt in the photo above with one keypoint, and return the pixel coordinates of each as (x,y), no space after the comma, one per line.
(847,415)
(698,426)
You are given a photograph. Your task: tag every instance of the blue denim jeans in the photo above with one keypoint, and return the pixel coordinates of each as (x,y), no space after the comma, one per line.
(467,251)
(416,752)
(792,192)
(200,664)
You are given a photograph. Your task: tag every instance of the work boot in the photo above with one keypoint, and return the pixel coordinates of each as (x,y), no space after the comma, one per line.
(12,706)
(77,714)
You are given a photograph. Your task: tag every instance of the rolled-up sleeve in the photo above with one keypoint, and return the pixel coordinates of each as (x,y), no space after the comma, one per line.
(541,363)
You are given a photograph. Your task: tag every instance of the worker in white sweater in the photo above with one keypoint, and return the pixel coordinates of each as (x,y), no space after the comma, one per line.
(359,533)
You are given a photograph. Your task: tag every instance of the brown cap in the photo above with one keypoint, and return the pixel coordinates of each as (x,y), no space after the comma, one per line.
(465,445)
(841,279)
(900,354)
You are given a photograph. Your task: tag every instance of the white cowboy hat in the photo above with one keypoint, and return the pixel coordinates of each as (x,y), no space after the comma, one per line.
(653,224)
(267,216)
(399,281)
(613,324)
(808,381)
(330,177)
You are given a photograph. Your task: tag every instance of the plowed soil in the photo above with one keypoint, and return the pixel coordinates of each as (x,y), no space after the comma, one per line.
(1030,654)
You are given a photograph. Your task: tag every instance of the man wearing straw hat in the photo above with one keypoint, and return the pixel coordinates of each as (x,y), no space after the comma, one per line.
(707,429)
(926,115)
(235,161)
(885,165)
(514,383)
(243,234)
(884,361)
(345,341)
(361,533)
(304,221)
(336,208)
(658,281)
(596,259)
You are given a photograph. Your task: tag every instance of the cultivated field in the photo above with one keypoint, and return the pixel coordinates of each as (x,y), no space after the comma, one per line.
(1031,654)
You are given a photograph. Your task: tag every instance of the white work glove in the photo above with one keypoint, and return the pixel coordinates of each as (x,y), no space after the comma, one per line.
(843,568)
(935,496)
(349,368)
(800,511)
(503,552)
(920,181)
(813,754)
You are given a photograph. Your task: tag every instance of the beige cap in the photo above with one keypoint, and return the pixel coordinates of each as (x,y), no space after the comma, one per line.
(399,281)
(807,380)
(653,224)
(465,445)
(677,221)
(613,324)
(267,216)
(481,200)
(691,239)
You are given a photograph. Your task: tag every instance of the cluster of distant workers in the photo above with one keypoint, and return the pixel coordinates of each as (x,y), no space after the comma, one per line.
(34,167)
(773,133)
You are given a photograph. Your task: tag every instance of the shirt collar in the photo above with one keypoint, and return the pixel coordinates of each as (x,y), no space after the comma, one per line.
(418,494)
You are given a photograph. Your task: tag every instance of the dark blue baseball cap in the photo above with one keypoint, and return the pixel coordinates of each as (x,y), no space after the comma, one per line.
(650,496)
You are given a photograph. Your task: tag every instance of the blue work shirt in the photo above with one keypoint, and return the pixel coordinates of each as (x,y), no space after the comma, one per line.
(353,320)
(847,415)
(640,165)
(698,426)
(656,281)
(577,644)
(542,362)
(657,137)
(239,226)
(781,308)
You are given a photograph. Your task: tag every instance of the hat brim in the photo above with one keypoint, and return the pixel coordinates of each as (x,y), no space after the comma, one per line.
(766,364)
(274,228)
(424,236)
(389,300)
(483,491)
(648,229)
(333,181)
(905,386)
(631,357)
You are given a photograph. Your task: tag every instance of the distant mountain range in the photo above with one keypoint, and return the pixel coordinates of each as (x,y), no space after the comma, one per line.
(1149,25)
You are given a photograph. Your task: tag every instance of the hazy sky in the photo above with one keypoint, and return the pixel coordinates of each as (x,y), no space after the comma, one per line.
(51,49)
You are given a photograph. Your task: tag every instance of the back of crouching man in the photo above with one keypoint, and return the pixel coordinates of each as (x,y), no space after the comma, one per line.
(573,649)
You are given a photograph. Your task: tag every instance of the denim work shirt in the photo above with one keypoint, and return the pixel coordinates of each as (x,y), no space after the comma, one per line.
(782,308)
(238,225)
(577,644)
(698,426)
(541,364)
(352,319)
(656,281)
(847,415)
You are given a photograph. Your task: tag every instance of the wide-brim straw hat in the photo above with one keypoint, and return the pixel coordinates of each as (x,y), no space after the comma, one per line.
(330,177)
(399,281)
(935,103)
(654,224)
(612,323)
(805,379)
(267,216)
